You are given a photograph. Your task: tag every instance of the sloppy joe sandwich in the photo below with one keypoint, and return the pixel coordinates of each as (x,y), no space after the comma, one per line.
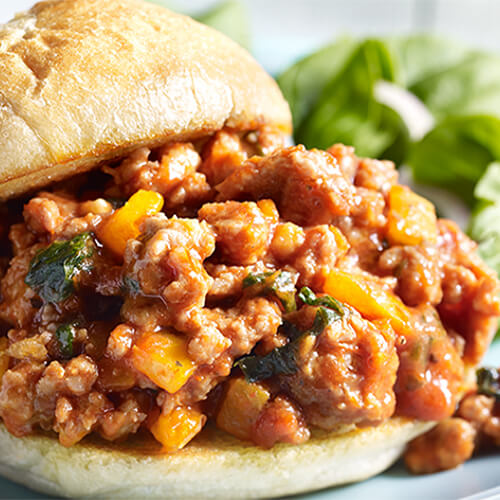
(188,307)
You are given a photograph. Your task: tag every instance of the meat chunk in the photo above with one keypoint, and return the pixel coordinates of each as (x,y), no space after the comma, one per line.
(323,246)
(243,231)
(222,155)
(77,417)
(346,376)
(125,420)
(16,308)
(280,422)
(17,398)
(168,261)
(448,445)
(470,304)
(376,175)
(308,187)
(76,378)
(418,270)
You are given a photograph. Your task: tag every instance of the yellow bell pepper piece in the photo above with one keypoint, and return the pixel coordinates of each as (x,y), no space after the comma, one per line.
(175,430)
(241,407)
(164,359)
(411,219)
(123,224)
(4,358)
(369,298)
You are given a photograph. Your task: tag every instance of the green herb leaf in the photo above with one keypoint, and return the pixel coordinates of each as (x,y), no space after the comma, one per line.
(282,360)
(307,296)
(471,86)
(279,283)
(52,270)
(420,57)
(65,335)
(456,153)
(348,112)
(488,382)
(303,83)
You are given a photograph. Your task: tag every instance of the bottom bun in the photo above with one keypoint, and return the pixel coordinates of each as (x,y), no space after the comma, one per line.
(214,465)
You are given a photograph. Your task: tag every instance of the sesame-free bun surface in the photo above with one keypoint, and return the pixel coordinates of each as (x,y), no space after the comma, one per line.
(213,466)
(84,81)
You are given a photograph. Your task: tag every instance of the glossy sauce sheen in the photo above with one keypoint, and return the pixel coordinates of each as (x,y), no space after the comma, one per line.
(220,236)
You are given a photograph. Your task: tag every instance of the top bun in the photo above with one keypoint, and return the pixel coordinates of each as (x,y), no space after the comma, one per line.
(84,81)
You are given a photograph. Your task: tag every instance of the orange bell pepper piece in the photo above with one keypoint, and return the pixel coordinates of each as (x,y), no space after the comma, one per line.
(368,297)
(175,430)
(411,219)
(124,223)
(164,359)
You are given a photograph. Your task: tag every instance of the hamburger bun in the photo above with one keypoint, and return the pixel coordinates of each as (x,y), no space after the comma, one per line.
(85,81)
(214,465)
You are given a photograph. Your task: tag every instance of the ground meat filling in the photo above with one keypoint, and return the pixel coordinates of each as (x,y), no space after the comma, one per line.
(270,290)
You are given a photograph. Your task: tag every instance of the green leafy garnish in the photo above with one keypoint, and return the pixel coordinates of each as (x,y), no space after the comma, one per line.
(488,382)
(456,153)
(282,360)
(485,221)
(65,335)
(52,270)
(307,296)
(347,110)
(278,283)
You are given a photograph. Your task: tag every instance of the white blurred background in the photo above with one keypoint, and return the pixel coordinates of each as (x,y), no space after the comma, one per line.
(283,30)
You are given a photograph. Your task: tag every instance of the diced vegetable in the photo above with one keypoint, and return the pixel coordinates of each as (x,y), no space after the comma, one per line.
(52,270)
(282,360)
(164,359)
(411,219)
(279,283)
(4,358)
(123,224)
(369,298)
(175,430)
(65,336)
(241,407)
(488,382)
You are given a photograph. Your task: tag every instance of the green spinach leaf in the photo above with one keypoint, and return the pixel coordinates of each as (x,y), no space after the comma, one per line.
(65,336)
(348,112)
(52,270)
(282,360)
(456,153)
(278,283)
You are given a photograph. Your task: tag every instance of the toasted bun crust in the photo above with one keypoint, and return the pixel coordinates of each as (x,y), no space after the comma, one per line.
(84,81)
(214,465)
